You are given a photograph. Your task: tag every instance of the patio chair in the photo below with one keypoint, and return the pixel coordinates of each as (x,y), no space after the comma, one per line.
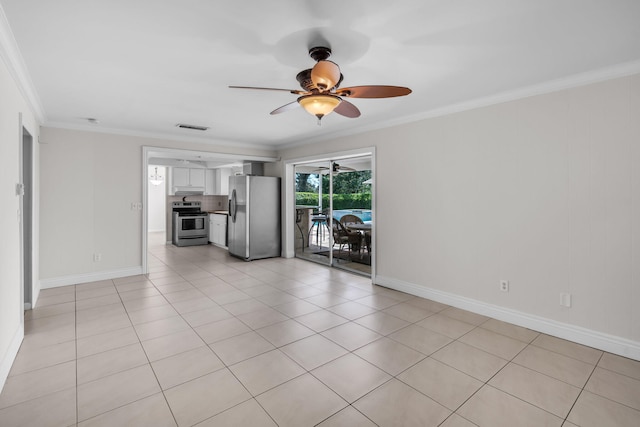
(350,219)
(342,237)
(345,220)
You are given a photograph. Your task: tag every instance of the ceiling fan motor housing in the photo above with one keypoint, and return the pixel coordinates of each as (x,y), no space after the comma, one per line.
(304,78)
(306,83)
(320,53)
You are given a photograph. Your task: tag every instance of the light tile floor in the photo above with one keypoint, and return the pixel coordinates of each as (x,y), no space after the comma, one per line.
(209,340)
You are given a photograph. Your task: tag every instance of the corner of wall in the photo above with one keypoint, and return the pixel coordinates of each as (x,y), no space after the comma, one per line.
(10,355)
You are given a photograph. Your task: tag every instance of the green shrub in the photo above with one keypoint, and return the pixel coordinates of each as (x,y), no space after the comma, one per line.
(340,201)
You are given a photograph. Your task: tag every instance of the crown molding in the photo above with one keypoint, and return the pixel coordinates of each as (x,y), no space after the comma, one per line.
(12,58)
(576,80)
(155,135)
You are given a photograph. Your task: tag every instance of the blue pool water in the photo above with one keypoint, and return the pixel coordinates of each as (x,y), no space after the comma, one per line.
(363,214)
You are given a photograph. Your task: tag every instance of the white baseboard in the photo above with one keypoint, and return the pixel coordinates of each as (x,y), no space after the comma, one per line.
(10,356)
(610,343)
(75,279)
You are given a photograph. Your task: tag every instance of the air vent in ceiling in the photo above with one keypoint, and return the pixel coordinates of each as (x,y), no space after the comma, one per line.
(192,127)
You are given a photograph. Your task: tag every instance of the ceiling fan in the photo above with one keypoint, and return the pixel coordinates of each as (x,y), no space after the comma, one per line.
(336,169)
(322,95)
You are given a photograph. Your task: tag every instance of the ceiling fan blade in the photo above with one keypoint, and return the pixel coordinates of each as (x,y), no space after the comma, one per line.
(339,168)
(286,107)
(294,91)
(347,109)
(373,91)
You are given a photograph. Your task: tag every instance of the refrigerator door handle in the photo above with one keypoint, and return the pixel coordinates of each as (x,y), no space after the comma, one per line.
(232,206)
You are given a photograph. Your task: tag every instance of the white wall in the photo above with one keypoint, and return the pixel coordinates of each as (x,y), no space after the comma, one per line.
(12,104)
(543,192)
(157,195)
(89,181)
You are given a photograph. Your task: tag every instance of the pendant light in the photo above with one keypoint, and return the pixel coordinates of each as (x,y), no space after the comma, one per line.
(156,179)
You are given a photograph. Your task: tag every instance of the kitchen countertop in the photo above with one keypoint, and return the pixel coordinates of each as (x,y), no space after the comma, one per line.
(219,212)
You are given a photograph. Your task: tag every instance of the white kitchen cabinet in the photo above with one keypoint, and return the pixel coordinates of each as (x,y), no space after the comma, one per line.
(218,229)
(196,177)
(180,177)
(222,181)
(187,177)
(210,182)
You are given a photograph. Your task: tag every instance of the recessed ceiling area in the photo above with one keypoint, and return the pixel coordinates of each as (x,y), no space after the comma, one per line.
(200,159)
(142,66)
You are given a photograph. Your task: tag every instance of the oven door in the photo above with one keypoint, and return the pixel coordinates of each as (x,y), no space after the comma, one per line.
(192,226)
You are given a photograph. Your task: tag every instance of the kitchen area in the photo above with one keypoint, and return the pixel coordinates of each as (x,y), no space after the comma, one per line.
(189,200)
(188,203)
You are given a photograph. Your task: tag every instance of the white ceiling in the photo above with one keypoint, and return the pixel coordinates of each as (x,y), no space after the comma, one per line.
(142,66)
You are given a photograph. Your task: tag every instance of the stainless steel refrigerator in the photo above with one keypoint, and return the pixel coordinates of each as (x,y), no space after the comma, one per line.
(254,217)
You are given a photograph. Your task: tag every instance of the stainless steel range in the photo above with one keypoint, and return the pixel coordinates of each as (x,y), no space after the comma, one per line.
(190,224)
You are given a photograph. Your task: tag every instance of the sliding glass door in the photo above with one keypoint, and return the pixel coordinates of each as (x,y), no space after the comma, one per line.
(351,214)
(312,229)
(334,213)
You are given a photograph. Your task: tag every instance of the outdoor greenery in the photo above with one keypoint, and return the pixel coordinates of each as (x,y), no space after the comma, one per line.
(349,190)
(340,201)
(348,182)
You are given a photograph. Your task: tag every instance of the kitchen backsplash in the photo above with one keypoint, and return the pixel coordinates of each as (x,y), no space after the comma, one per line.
(209,203)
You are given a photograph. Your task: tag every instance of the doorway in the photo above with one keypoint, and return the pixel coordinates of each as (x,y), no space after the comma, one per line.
(170,158)
(157,204)
(333,213)
(26,217)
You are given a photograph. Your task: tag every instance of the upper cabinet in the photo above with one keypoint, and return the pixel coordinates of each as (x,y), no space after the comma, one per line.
(196,177)
(187,178)
(212,182)
(180,177)
(222,181)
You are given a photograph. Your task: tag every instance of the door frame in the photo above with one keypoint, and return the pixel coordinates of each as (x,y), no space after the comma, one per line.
(147,153)
(27,288)
(288,235)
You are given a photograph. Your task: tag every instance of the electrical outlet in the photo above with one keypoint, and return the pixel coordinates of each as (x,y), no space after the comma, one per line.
(504,285)
(97,257)
(565,299)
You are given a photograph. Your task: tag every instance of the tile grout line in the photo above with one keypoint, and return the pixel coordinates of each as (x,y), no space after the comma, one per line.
(485,383)
(211,349)
(146,355)
(582,389)
(291,275)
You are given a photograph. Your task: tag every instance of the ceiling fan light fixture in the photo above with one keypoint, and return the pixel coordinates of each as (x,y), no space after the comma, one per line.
(319,105)
(325,75)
